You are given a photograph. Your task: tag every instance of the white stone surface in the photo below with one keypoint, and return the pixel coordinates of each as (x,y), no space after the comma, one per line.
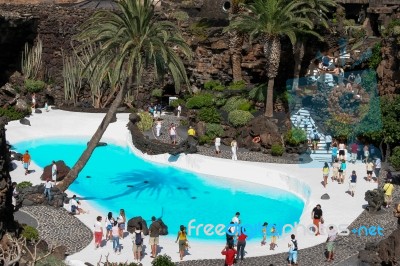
(303,180)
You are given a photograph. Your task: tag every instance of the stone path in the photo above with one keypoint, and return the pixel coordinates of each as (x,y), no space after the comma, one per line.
(57,227)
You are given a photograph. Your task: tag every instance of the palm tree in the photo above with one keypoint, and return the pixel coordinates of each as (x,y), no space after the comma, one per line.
(272,19)
(316,11)
(137,42)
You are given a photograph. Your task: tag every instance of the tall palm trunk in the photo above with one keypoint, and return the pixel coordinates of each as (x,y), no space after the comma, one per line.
(80,164)
(235,45)
(272,52)
(298,54)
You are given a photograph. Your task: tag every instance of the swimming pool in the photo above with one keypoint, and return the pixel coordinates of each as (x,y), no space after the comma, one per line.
(115,178)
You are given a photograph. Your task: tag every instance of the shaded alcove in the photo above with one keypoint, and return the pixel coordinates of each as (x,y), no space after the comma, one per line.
(14,33)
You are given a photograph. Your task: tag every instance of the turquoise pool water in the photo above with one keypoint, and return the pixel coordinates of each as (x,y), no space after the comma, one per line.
(115,178)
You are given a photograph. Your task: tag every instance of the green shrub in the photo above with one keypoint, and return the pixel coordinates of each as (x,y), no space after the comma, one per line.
(234,103)
(214,85)
(146,121)
(209,115)
(34,85)
(24,184)
(30,233)
(214,130)
(258,93)
(239,118)
(200,29)
(237,85)
(245,106)
(295,137)
(156,93)
(162,260)
(199,101)
(205,140)
(277,150)
(13,114)
(184,122)
(395,158)
(54,261)
(376,56)
(175,103)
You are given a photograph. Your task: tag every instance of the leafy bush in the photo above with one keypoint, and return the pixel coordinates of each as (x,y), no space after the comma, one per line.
(175,103)
(53,260)
(12,114)
(200,29)
(34,85)
(24,184)
(376,56)
(162,260)
(234,103)
(245,106)
(146,121)
(180,16)
(214,130)
(30,233)
(214,85)
(239,118)
(237,85)
(295,137)
(258,93)
(184,122)
(209,115)
(395,158)
(156,93)
(199,101)
(204,140)
(277,150)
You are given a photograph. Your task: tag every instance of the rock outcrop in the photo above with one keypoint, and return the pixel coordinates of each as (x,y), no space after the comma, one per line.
(62,171)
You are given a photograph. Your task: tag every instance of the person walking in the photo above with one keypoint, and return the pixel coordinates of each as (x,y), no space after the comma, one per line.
(54,171)
(115,238)
(264,234)
(292,245)
(33,101)
(158,128)
(179,110)
(121,223)
(335,170)
(325,173)
(172,133)
(182,238)
(388,189)
(47,189)
(217,145)
(109,224)
(342,152)
(370,169)
(328,141)
(316,216)
(26,160)
(98,232)
(354,149)
(353,182)
(366,153)
(234,148)
(159,109)
(241,244)
(229,252)
(137,238)
(342,171)
(315,140)
(377,168)
(334,152)
(154,232)
(274,237)
(330,243)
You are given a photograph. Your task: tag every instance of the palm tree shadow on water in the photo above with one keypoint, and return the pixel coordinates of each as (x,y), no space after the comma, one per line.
(150,182)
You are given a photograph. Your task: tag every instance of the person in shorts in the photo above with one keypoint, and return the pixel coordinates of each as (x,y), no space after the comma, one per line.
(370,169)
(342,172)
(172,133)
(154,232)
(137,239)
(26,160)
(330,243)
(353,182)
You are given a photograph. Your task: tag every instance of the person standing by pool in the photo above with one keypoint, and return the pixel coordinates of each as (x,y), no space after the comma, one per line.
(54,171)
(26,160)
(325,173)
(109,224)
(172,133)
(241,244)
(292,245)
(98,232)
(217,145)
(121,223)
(330,243)
(229,253)
(154,232)
(137,238)
(316,216)
(158,128)
(47,189)
(264,234)
(33,101)
(182,238)
(353,182)
(115,238)
(274,237)
(234,150)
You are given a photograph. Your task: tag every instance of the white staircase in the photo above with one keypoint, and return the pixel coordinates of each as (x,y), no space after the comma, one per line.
(302,119)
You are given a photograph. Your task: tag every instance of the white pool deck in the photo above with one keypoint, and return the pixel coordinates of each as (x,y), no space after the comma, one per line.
(303,180)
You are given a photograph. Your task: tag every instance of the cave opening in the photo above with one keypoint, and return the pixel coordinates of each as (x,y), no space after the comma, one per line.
(14,33)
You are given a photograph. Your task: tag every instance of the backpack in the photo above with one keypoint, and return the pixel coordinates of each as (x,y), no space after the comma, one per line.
(138,239)
(295,245)
(316,137)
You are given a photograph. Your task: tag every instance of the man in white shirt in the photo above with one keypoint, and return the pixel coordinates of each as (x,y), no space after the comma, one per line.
(217,145)
(54,171)
(73,203)
(330,243)
(235,218)
(378,165)
(328,141)
(47,189)
(179,110)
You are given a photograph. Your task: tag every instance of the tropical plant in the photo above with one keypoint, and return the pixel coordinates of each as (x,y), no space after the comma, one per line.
(239,118)
(277,150)
(200,29)
(214,130)
(258,93)
(237,85)
(137,40)
(395,158)
(34,85)
(31,61)
(24,184)
(214,85)
(295,137)
(234,103)
(12,114)
(376,56)
(209,115)
(199,101)
(177,102)
(204,140)
(180,16)
(72,74)
(146,121)
(162,260)
(272,19)
(156,93)
(30,233)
